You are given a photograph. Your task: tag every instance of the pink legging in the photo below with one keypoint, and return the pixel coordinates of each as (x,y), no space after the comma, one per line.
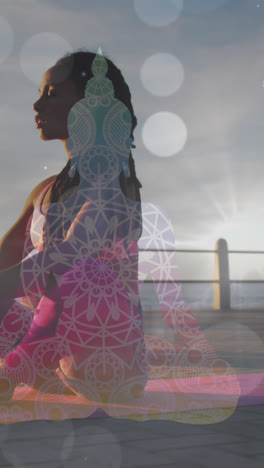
(82,319)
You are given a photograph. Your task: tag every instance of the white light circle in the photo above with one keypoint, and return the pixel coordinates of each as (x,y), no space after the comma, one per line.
(164,134)
(158,12)
(6,39)
(242,348)
(202,6)
(162,74)
(40,52)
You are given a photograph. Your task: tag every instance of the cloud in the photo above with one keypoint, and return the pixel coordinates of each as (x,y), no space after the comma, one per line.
(218,174)
(220,104)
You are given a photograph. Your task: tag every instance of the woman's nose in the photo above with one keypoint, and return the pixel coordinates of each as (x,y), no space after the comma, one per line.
(38,105)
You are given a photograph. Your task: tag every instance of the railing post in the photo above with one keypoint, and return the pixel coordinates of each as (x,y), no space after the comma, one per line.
(222,287)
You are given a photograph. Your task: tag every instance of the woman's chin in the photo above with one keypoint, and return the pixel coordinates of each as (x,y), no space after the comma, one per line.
(43,134)
(46,136)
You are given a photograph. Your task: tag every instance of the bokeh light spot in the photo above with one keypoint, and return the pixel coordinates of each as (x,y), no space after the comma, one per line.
(242,348)
(162,74)
(164,134)
(158,12)
(40,52)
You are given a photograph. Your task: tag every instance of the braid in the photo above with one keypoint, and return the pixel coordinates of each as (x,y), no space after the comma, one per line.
(129,186)
(63,183)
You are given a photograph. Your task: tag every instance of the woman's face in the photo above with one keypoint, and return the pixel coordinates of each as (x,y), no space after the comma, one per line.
(57,96)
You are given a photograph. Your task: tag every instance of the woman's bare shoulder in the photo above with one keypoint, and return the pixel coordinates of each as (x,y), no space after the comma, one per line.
(38,189)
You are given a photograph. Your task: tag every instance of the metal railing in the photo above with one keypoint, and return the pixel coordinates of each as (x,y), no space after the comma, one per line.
(221,279)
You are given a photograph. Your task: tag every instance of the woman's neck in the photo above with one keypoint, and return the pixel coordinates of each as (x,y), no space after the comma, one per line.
(69,155)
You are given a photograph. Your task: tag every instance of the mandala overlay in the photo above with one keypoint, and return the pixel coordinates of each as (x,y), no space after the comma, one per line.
(79,345)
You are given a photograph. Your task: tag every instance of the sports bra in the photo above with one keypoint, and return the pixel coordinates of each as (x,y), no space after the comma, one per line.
(38,219)
(37,224)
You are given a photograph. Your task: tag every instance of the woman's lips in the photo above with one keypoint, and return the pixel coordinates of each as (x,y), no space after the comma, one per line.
(40,122)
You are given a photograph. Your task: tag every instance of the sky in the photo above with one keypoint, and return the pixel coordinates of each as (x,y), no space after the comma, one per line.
(195,69)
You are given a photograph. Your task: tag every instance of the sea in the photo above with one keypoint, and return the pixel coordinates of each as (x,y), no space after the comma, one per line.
(201,295)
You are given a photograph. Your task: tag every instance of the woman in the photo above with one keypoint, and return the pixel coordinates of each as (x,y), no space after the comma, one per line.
(85,224)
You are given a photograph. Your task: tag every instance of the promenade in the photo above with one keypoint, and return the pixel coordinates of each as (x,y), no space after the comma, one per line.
(111,443)
(237,442)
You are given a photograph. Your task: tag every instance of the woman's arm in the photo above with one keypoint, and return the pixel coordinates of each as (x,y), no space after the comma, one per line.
(13,242)
(31,275)
(87,237)
(16,244)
